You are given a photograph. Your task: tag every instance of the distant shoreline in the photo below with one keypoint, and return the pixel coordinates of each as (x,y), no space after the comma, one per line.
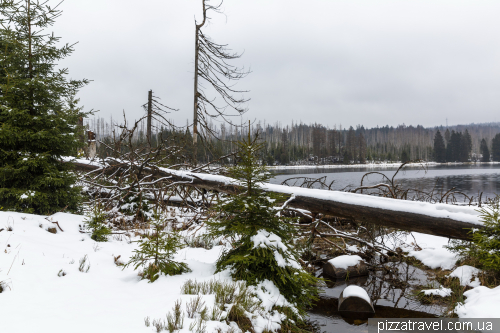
(372,165)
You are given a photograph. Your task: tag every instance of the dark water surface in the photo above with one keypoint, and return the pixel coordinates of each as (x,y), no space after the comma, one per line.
(471,179)
(392,297)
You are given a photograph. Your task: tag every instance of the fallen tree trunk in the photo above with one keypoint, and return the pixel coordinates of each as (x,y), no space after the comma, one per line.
(436,219)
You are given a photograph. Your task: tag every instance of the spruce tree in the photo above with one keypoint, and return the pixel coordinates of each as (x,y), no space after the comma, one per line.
(484,151)
(439,148)
(405,157)
(465,146)
(95,223)
(156,251)
(447,137)
(262,239)
(453,147)
(495,148)
(37,116)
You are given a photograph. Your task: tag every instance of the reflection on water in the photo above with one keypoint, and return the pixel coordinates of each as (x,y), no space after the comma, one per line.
(389,289)
(470,179)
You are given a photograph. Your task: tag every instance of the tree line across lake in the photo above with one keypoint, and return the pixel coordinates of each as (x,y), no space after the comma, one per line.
(459,145)
(304,144)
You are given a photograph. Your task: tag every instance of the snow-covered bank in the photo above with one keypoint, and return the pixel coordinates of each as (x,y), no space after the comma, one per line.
(44,290)
(373,165)
(345,166)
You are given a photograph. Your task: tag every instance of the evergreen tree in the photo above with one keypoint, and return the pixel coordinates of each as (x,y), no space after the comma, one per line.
(447,137)
(439,148)
(495,148)
(465,146)
(156,251)
(37,119)
(405,157)
(262,248)
(487,240)
(484,151)
(453,147)
(96,223)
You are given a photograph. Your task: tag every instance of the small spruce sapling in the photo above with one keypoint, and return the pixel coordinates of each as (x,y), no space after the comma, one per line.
(487,240)
(95,223)
(485,244)
(262,248)
(156,251)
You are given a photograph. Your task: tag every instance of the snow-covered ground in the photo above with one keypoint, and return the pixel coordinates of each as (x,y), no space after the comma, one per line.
(44,290)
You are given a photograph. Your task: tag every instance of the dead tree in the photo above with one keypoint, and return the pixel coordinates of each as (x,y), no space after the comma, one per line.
(212,71)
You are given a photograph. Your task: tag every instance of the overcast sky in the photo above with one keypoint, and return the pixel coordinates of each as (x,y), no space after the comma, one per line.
(332,62)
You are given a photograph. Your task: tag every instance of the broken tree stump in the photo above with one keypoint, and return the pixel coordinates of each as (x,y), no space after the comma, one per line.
(346,266)
(354,299)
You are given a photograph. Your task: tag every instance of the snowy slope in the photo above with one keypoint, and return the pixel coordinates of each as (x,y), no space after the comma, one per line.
(106,299)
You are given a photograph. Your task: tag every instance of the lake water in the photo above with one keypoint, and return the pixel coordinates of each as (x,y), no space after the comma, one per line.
(470,179)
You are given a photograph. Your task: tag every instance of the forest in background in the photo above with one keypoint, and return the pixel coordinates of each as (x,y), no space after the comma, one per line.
(302,144)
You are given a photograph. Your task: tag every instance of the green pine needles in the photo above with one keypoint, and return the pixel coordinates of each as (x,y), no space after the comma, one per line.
(38,115)
(485,245)
(96,224)
(156,251)
(262,238)
(487,240)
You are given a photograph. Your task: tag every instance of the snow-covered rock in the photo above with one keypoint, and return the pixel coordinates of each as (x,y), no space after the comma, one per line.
(345,261)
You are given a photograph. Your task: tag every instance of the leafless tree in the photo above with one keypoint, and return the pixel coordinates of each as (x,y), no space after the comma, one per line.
(214,73)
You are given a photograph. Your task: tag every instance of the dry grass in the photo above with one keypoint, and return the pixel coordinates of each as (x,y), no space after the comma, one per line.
(84,266)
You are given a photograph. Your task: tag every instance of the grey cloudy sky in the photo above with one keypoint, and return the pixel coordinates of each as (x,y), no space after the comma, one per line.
(348,62)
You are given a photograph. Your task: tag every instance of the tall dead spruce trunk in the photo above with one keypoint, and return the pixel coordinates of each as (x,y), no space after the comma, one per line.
(211,68)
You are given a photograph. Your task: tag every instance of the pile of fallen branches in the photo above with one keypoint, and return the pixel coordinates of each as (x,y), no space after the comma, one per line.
(128,183)
(392,188)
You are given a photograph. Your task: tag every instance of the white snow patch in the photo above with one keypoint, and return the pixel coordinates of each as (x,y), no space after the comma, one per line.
(481,302)
(429,249)
(466,274)
(345,261)
(356,291)
(436,257)
(26,195)
(443,292)
(272,241)
(267,239)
